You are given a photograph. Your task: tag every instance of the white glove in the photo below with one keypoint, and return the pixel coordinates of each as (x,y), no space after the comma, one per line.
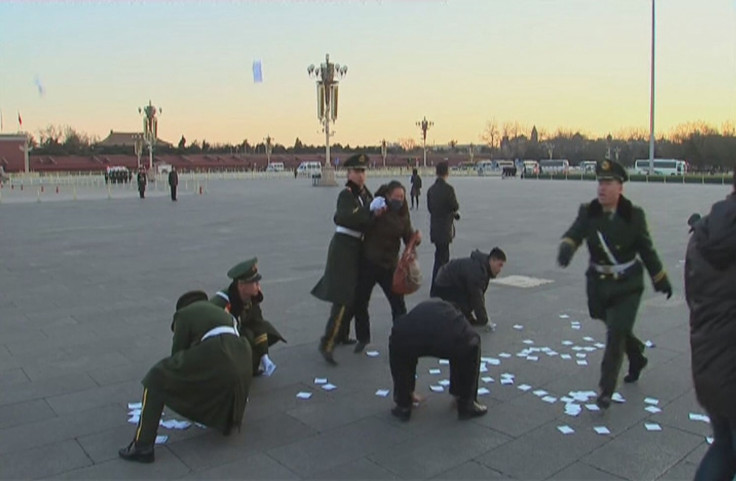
(267,366)
(378,203)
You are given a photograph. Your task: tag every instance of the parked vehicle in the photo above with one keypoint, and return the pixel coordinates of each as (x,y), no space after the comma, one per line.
(275,167)
(661,166)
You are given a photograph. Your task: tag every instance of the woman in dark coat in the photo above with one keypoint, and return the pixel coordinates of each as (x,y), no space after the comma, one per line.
(380,255)
(710,290)
(416,188)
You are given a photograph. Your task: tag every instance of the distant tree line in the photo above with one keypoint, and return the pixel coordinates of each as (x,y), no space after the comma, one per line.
(705,147)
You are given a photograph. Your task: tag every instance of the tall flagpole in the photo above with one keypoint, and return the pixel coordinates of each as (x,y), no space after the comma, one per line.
(651,104)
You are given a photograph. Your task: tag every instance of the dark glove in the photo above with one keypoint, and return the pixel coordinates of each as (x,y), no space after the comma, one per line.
(457,215)
(564,255)
(664,286)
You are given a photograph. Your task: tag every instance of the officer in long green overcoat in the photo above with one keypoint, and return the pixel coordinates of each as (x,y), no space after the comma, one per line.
(242,299)
(206,379)
(618,240)
(352,218)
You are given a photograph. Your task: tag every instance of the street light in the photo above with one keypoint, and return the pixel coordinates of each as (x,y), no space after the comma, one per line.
(138,147)
(424,124)
(327,75)
(269,148)
(150,128)
(384,151)
(651,104)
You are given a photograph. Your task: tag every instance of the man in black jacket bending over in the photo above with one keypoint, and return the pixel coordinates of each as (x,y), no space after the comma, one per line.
(435,328)
(463,282)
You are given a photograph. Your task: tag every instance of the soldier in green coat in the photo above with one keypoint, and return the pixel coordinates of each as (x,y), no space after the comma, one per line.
(242,299)
(618,240)
(206,378)
(355,211)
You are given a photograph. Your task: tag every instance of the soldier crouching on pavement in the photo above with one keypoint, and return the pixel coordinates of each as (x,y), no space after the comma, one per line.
(616,232)
(243,299)
(435,328)
(206,378)
(355,212)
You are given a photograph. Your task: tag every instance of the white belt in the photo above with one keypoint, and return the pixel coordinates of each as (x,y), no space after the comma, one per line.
(352,233)
(218,331)
(614,269)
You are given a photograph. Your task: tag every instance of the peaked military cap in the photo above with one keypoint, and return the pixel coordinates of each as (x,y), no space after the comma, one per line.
(189,298)
(246,271)
(609,169)
(357,161)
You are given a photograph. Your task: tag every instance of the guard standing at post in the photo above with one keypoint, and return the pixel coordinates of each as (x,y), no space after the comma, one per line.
(616,233)
(206,379)
(173,182)
(355,211)
(142,181)
(242,299)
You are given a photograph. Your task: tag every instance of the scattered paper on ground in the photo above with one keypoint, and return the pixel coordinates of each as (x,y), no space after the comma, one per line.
(652,427)
(329,386)
(524,282)
(161,439)
(371,353)
(382,392)
(601,430)
(565,429)
(320,380)
(303,395)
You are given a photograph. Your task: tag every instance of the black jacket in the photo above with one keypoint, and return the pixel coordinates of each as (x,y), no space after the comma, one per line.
(434,328)
(468,277)
(710,290)
(442,206)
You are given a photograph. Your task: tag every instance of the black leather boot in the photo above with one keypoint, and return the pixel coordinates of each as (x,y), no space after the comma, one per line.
(470,409)
(635,369)
(139,454)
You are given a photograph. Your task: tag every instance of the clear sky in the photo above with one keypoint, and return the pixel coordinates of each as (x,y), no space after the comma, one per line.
(572,64)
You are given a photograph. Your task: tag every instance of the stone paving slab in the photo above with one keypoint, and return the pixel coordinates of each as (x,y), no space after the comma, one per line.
(87,289)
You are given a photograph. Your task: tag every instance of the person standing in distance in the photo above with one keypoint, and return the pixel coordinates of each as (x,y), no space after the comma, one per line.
(443,212)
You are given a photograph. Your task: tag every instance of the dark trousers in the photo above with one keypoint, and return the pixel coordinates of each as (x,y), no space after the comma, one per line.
(458,298)
(719,462)
(414,198)
(340,314)
(464,369)
(441,257)
(153,406)
(142,192)
(620,340)
(173,192)
(370,275)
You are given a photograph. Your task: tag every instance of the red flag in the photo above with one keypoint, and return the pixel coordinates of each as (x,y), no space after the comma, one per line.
(20,120)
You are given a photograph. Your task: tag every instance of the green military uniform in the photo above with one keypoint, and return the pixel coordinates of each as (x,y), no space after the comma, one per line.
(615,275)
(206,379)
(337,285)
(260,333)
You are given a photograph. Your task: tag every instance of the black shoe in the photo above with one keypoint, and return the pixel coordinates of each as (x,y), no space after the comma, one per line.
(635,369)
(603,401)
(346,341)
(359,347)
(136,453)
(327,355)
(470,410)
(403,414)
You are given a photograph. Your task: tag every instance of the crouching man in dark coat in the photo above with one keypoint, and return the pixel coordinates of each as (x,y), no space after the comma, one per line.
(206,379)
(435,328)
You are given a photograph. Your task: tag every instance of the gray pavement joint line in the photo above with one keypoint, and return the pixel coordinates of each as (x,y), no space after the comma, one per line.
(173,453)
(92,461)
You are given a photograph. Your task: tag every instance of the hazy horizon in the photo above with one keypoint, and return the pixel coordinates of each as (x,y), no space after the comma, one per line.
(574,65)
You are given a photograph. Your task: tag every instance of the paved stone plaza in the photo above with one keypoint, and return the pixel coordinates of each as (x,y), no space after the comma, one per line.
(88,286)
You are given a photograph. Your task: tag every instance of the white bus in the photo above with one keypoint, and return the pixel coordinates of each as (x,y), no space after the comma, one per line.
(661,166)
(549,166)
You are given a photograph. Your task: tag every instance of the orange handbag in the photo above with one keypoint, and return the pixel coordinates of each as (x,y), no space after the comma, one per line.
(408,276)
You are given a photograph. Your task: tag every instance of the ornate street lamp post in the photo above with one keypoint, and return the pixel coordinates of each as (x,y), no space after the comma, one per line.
(269,149)
(327,75)
(384,151)
(138,147)
(424,124)
(150,129)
